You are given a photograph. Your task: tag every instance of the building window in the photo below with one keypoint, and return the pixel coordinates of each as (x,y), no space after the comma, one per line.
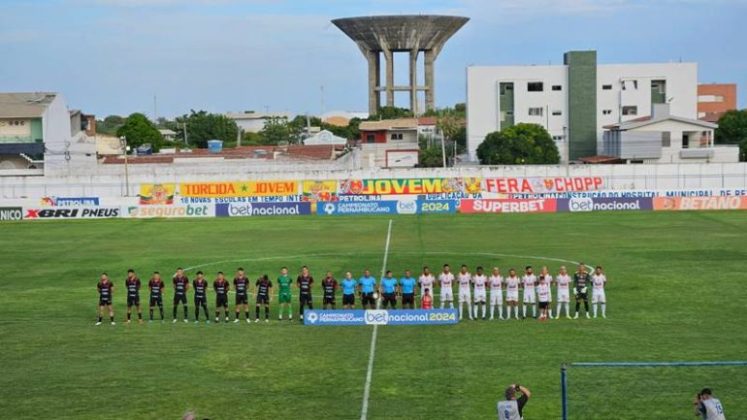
(606,112)
(606,87)
(710,98)
(557,113)
(558,138)
(630,110)
(557,87)
(505,87)
(632,84)
(396,136)
(535,86)
(370,138)
(535,112)
(666,139)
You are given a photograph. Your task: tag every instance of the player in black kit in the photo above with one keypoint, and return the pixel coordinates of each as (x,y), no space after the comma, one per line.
(329,287)
(105,289)
(200,285)
(181,285)
(132,284)
(155,285)
(304,282)
(241,283)
(263,286)
(221,286)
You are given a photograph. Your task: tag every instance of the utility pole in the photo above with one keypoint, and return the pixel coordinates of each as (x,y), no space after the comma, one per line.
(443,150)
(186,136)
(123,142)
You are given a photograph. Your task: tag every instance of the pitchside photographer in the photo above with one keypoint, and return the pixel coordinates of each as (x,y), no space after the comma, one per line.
(708,407)
(512,408)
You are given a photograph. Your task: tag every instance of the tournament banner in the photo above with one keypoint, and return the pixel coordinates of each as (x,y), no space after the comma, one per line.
(238,189)
(152,211)
(540,185)
(338,208)
(319,191)
(69,201)
(11,213)
(409,186)
(604,204)
(437,206)
(700,203)
(349,317)
(157,194)
(508,205)
(262,209)
(72,213)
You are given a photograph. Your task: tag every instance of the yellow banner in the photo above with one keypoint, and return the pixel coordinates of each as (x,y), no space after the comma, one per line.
(157,194)
(320,190)
(410,186)
(238,189)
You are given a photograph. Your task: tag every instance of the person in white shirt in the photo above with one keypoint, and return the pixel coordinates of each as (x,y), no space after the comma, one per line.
(446,279)
(598,281)
(464,278)
(548,278)
(479,280)
(563,281)
(512,293)
(496,293)
(707,406)
(543,296)
(426,281)
(528,282)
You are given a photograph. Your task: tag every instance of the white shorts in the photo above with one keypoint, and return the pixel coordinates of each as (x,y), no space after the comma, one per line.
(598,296)
(480,296)
(496,298)
(529,296)
(465,296)
(447,295)
(512,295)
(564,296)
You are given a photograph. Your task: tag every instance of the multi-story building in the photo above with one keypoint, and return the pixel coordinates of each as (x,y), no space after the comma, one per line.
(576,100)
(715,99)
(389,143)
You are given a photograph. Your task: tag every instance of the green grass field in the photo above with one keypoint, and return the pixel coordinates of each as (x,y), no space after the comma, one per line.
(675,292)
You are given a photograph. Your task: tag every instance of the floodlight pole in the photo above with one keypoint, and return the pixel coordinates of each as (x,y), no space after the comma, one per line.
(564,392)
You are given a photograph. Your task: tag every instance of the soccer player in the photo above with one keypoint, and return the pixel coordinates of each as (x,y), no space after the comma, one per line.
(181,285)
(329,288)
(348,291)
(446,278)
(543,296)
(156,286)
(426,281)
(528,282)
(200,285)
(263,286)
(512,293)
(707,406)
(496,293)
(479,281)
(581,281)
(368,286)
(388,290)
(548,278)
(598,280)
(106,289)
(563,280)
(427,301)
(132,284)
(241,283)
(284,294)
(304,282)
(407,285)
(221,287)
(465,295)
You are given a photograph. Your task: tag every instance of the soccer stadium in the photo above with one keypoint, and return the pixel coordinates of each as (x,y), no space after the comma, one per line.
(224,266)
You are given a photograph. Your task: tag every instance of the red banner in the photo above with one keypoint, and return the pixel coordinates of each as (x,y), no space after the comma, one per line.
(701,203)
(538,185)
(544,205)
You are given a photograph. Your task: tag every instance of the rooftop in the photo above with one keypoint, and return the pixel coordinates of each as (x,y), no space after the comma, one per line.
(398,124)
(401,32)
(25,104)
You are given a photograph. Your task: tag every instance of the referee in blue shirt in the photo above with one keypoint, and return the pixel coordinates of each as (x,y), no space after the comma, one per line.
(389,290)
(368,286)
(348,291)
(407,285)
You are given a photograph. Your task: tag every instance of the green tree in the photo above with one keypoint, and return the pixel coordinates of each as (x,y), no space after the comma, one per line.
(522,144)
(743,151)
(110,124)
(203,126)
(139,130)
(732,127)
(276,130)
(390,113)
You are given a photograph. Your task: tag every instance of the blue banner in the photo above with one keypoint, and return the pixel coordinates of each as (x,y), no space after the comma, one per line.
(380,317)
(604,204)
(358,207)
(261,209)
(437,206)
(70,201)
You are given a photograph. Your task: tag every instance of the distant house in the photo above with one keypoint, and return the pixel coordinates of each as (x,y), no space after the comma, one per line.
(254,122)
(325,137)
(342,118)
(390,143)
(168,135)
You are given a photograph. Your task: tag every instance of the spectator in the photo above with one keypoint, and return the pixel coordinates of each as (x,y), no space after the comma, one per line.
(708,407)
(512,408)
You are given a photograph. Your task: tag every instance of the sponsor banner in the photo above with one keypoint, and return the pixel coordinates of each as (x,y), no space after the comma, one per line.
(238,189)
(72,213)
(380,317)
(228,200)
(542,205)
(437,206)
(701,203)
(151,211)
(319,190)
(69,201)
(157,194)
(405,186)
(538,185)
(262,209)
(362,207)
(11,213)
(604,204)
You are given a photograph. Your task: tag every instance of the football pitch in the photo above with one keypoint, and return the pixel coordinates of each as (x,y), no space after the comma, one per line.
(676,293)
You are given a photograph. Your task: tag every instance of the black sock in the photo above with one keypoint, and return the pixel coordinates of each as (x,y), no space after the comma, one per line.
(111,318)
(151,314)
(246,314)
(216,315)
(128,315)
(160,308)
(237,314)
(578,306)
(267,312)
(174,311)
(139,315)
(586,306)
(256,312)
(186,312)
(99,318)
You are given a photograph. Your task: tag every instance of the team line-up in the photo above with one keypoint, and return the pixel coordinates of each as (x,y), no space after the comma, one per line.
(472,292)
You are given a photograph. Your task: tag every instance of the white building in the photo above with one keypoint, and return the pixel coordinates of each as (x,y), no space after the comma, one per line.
(254,122)
(325,137)
(576,100)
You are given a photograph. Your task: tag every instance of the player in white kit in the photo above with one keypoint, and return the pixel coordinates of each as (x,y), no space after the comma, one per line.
(707,406)
(528,282)
(446,279)
(479,280)
(544,295)
(563,281)
(598,280)
(426,281)
(496,293)
(512,293)
(548,278)
(464,278)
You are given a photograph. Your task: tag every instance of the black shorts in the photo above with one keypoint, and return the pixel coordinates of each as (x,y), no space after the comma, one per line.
(581,296)
(348,299)
(544,305)
(408,298)
(156,301)
(180,299)
(390,298)
(200,301)
(105,301)
(304,299)
(221,300)
(133,301)
(368,299)
(328,300)
(242,299)
(263,299)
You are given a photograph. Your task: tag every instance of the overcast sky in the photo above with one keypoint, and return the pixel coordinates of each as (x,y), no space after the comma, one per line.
(113,56)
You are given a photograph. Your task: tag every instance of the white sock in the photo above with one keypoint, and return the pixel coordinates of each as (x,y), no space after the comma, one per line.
(500,311)
(483,311)
(475,307)
(523,311)
(461,307)
(492,311)
(594,309)
(516,311)
(549,311)
(560,305)
(451,304)
(469,309)
(534,311)
(604,309)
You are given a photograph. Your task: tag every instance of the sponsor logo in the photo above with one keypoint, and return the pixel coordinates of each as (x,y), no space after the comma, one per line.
(262,209)
(73,213)
(360,207)
(701,203)
(508,206)
(585,204)
(539,185)
(69,201)
(437,206)
(313,317)
(407,207)
(11,213)
(377,317)
(169,211)
(381,317)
